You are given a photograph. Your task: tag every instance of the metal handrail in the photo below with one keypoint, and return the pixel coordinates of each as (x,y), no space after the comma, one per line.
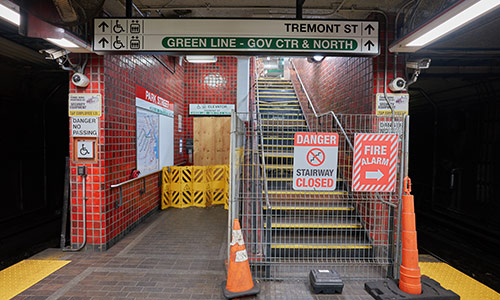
(324,114)
(133,179)
(259,121)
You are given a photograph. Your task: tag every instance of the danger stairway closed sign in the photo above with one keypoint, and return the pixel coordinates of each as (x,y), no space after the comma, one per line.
(315,159)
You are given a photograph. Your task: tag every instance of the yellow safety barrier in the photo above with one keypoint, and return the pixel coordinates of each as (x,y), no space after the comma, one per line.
(195,186)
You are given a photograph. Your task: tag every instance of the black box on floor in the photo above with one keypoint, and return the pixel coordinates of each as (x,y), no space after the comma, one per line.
(326,281)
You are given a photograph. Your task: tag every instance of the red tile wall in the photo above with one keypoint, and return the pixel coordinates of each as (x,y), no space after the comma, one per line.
(208,83)
(116,77)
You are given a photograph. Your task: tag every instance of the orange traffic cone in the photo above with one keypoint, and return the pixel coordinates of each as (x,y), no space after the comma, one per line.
(239,278)
(410,281)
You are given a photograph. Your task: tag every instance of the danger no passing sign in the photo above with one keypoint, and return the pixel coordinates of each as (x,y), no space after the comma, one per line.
(315,159)
(375,160)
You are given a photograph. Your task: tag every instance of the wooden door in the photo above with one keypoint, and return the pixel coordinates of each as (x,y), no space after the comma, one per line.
(211,140)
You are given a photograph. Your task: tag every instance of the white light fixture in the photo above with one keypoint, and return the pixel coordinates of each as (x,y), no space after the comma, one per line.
(318,58)
(450,20)
(63,43)
(10,14)
(71,43)
(201,59)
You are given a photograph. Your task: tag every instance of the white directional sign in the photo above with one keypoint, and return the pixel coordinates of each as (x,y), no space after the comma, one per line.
(315,159)
(341,37)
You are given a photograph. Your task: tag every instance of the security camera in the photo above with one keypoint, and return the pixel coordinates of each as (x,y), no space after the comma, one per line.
(80,80)
(397,85)
(420,64)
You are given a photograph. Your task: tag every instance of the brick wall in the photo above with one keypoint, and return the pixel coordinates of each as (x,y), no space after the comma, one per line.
(341,84)
(208,83)
(115,78)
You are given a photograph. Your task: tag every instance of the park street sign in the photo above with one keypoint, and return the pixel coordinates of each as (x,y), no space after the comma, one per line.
(339,37)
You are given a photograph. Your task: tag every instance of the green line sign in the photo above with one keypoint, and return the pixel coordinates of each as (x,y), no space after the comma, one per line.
(216,43)
(191,36)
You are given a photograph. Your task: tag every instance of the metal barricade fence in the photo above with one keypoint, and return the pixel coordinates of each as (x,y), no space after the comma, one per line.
(288,232)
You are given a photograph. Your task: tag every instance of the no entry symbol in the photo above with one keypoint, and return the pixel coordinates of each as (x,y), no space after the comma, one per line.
(315,157)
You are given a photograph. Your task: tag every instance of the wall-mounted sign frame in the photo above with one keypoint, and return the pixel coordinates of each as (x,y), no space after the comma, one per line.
(299,37)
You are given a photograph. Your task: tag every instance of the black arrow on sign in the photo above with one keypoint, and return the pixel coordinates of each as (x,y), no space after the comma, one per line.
(103,42)
(369,44)
(369,28)
(103,26)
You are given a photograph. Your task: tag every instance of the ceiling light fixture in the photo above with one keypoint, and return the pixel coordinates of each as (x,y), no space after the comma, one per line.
(201,59)
(457,16)
(318,58)
(63,43)
(10,14)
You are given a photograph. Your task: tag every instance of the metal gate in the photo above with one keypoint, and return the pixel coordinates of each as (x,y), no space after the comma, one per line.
(288,232)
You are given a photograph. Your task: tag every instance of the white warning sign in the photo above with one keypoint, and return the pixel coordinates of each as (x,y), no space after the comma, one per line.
(315,159)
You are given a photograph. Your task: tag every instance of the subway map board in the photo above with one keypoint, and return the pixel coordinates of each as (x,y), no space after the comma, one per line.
(300,37)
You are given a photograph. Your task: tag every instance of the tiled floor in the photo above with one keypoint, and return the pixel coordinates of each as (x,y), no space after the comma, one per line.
(175,254)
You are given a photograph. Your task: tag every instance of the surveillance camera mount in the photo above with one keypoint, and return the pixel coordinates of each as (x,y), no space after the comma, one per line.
(417,65)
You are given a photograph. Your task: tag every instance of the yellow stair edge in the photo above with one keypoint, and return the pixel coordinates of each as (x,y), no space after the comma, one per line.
(314,225)
(311,208)
(317,246)
(304,193)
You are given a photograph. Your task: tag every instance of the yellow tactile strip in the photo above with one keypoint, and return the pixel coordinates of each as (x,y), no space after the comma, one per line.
(19,277)
(452,279)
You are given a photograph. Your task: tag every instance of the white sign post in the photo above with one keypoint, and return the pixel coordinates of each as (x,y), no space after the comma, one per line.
(315,158)
(341,37)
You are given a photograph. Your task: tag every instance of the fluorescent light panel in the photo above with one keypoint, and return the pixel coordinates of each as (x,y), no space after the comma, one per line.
(63,43)
(455,22)
(201,59)
(451,20)
(10,15)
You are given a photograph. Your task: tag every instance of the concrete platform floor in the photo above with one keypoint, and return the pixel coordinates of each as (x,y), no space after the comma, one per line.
(175,254)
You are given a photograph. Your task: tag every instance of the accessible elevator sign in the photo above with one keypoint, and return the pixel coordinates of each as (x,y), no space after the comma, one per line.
(340,37)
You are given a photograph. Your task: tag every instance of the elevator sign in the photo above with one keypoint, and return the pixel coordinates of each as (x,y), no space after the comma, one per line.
(375,161)
(340,37)
(315,159)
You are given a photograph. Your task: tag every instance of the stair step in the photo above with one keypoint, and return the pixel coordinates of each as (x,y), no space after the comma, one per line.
(279,167)
(314,223)
(277,146)
(310,206)
(279,154)
(290,110)
(283,193)
(279,105)
(278,93)
(290,90)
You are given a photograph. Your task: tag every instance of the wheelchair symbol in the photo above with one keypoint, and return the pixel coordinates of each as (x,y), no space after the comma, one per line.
(117,44)
(118,28)
(84,151)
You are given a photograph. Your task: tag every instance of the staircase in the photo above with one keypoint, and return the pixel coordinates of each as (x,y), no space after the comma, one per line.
(306,226)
